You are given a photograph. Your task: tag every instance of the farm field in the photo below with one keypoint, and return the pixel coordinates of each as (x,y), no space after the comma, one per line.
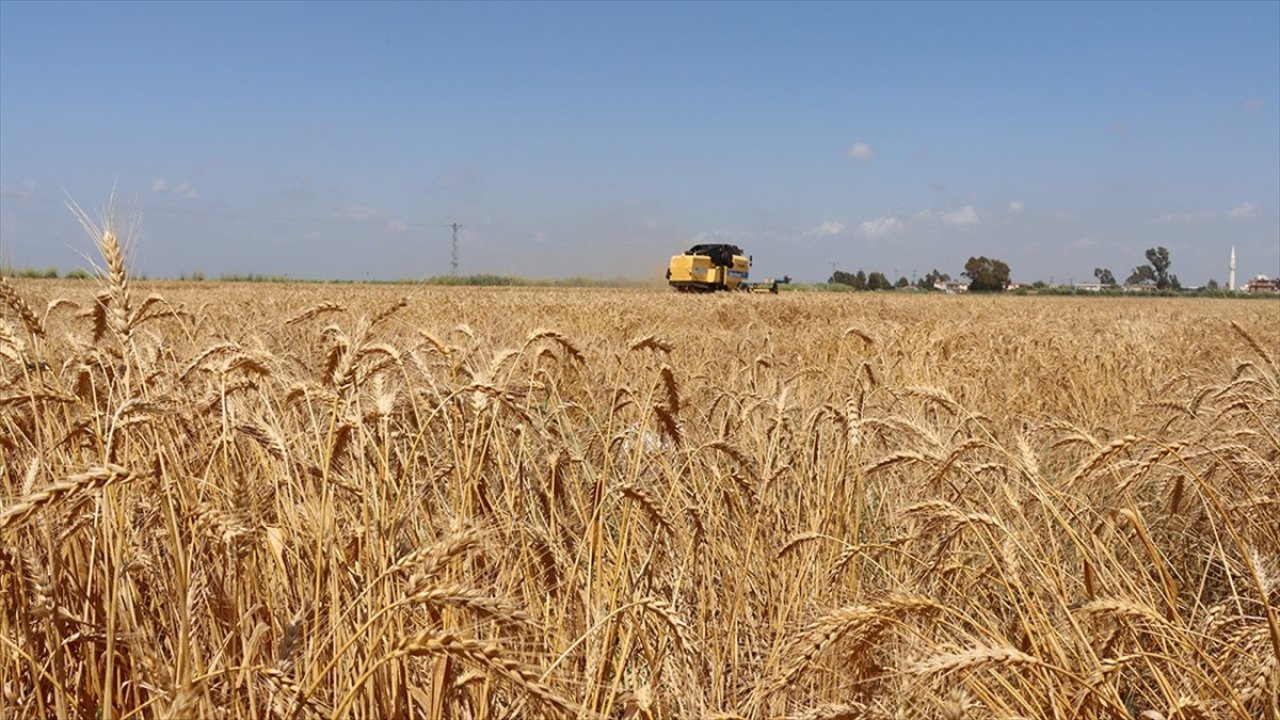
(347,501)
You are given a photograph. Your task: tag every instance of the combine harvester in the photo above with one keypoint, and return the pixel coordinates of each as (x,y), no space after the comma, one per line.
(717,266)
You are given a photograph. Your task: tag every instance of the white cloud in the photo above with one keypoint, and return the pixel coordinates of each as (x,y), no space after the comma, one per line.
(361,213)
(892,224)
(183,189)
(1016,206)
(882,227)
(1190,218)
(861,152)
(964,216)
(25,191)
(1243,212)
(460,178)
(826,229)
(357,212)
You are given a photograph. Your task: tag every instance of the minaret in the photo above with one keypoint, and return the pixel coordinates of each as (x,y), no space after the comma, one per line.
(1231,273)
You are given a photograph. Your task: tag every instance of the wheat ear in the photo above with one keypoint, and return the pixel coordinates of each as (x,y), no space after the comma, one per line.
(11,298)
(86,482)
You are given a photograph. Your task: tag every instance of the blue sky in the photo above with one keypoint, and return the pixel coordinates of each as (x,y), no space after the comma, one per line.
(335,140)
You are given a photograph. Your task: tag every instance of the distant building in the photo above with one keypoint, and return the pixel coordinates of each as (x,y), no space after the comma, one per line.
(1017,286)
(952,286)
(1263,285)
(1142,286)
(1089,287)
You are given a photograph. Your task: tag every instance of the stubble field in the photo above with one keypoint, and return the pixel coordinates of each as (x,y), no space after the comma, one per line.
(276,500)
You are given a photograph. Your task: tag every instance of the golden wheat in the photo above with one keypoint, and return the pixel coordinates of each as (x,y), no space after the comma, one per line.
(480,504)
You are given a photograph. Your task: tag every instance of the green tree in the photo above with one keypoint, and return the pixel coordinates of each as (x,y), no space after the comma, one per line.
(1104,276)
(986,274)
(902,282)
(857,281)
(877,281)
(1159,259)
(1141,273)
(840,277)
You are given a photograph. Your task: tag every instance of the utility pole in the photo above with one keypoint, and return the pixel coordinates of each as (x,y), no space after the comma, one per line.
(454,264)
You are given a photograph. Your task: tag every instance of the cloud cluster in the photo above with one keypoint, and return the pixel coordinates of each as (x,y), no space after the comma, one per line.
(1189,218)
(891,225)
(882,227)
(25,191)
(184,189)
(1243,212)
(361,213)
(826,229)
(964,216)
(968,216)
(357,212)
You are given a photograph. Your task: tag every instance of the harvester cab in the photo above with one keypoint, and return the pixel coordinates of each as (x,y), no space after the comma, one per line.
(710,267)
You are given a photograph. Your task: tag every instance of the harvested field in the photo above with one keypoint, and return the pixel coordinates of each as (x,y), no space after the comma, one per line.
(341,501)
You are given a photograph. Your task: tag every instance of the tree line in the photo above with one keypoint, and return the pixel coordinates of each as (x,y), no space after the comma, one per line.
(985,275)
(992,275)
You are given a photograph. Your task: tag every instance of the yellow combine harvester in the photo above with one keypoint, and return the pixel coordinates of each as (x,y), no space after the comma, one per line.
(715,266)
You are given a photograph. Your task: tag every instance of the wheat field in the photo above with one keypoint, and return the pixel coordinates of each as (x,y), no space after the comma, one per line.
(352,501)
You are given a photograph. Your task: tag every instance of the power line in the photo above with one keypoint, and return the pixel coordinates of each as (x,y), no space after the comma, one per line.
(483,228)
(149,209)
